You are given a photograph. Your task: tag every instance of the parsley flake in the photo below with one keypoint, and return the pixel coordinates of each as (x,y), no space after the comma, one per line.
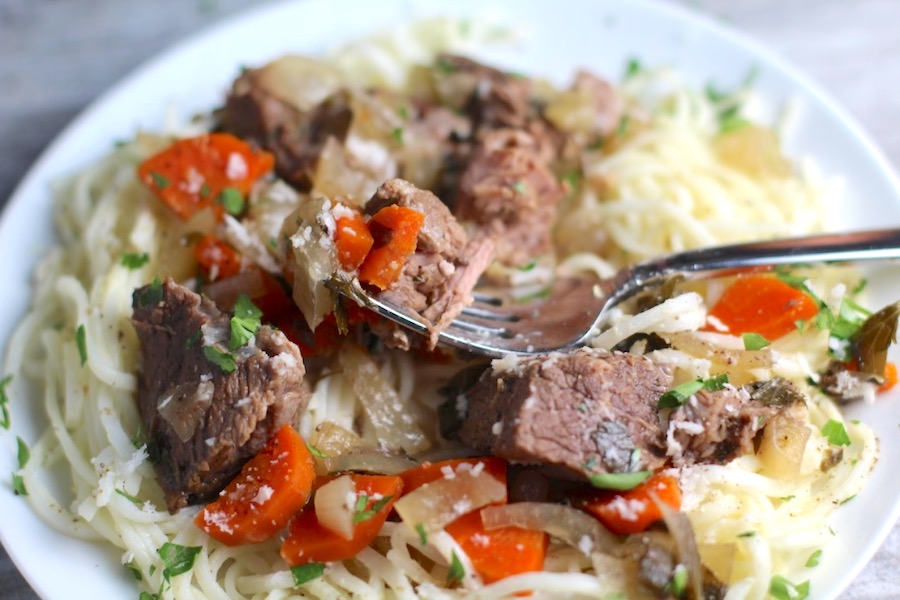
(220,358)
(18,485)
(306,573)
(245,322)
(315,451)
(813,560)
(457,570)
(205,191)
(231,200)
(361,515)
(151,295)
(397,134)
(754,341)
(681,393)
(679,581)
(747,534)
(160,181)
(782,589)
(129,497)
(846,500)
(423,534)
(618,481)
(133,260)
(81,340)
(835,433)
(178,559)
(633,67)
(135,570)
(4,402)
(520,187)
(194,340)
(148,596)
(622,129)
(23,454)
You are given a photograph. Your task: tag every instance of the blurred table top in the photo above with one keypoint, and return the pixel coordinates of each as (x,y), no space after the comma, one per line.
(55,57)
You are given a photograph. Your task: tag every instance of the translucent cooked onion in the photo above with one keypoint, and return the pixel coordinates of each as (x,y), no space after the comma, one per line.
(782,446)
(442,501)
(725,350)
(685,545)
(334,503)
(393,424)
(567,524)
(368,462)
(300,81)
(332,439)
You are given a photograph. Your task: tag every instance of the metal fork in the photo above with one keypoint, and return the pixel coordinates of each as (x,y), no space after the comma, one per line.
(576,308)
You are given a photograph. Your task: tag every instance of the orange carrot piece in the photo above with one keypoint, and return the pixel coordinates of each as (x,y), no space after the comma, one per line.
(394,230)
(217,259)
(764,305)
(429,471)
(308,541)
(353,241)
(632,511)
(270,489)
(499,553)
(890,377)
(191,174)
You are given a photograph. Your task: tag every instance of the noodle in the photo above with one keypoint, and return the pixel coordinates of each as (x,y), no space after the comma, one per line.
(664,189)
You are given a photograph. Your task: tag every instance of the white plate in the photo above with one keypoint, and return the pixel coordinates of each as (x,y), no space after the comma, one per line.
(597,34)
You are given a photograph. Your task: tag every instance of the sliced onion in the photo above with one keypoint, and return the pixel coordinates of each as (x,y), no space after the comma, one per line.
(782,446)
(442,501)
(334,503)
(333,440)
(722,349)
(394,426)
(685,545)
(719,558)
(569,525)
(368,462)
(312,260)
(300,81)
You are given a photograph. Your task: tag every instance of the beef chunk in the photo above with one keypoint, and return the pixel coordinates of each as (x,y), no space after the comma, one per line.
(438,278)
(587,411)
(202,423)
(508,188)
(295,137)
(717,427)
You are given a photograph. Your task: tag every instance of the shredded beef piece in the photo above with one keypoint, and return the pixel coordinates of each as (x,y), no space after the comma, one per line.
(201,423)
(587,411)
(438,278)
(509,189)
(295,137)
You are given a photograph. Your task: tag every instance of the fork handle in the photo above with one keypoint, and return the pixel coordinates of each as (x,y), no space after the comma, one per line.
(879,244)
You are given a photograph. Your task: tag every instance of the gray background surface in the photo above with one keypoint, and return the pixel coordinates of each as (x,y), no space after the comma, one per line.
(58,55)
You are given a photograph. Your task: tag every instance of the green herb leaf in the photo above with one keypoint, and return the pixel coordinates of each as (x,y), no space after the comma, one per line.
(138,440)
(678,585)
(129,497)
(231,200)
(148,596)
(4,402)
(835,433)
(403,112)
(423,534)
(23,453)
(315,451)
(633,67)
(220,358)
(159,180)
(245,322)
(133,260)
(622,129)
(205,190)
(457,570)
(306,573)
(135,570)
(520,186)
(397,134)
(782,589)
(747,534)
(754,341)
(732,122)
(81,340)
(813,560)
(178,559)
(360,515)
(874,337)
(681,393)
(18,485)
(847,499)
(152,295)
(618,481)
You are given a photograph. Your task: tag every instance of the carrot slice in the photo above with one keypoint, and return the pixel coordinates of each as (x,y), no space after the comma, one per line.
(632,511)
(394,230)
(217,259)
(429,471)
(764,305)
(890,377)
(499,553)
(192,173)
(353,241)
(270,489)
(308,541)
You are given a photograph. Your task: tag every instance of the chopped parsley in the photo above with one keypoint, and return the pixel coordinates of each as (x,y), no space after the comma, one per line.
(316,452)
(445,66)
(133,260)
(403,112)
(245,322)
(159,180)
(194,340)
(81,340)
(633,67)
(847,499)
(813,560)
(152,295)
(148,596)
(178,559)
(4,402)
(18,485)
(129,497)
(231,200)
(622,129)
(306,573)
(678,585)
(220,358)
(835,433)
(520,187)
(618,481)
(681,393)
(135,570)
(360,515)
(747,534)
(23,454)
(457,570)
(782,589)
(423,534)
(754,341)
(138,440)
(397,134)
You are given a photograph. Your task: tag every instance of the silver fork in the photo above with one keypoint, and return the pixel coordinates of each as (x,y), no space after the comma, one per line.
(576,308)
